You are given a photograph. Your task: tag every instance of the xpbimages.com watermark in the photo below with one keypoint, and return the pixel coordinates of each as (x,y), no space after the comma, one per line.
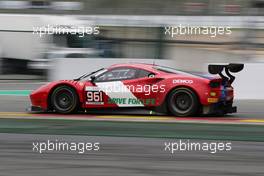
(81,31)
(212,31)
(188,145)
(60,146)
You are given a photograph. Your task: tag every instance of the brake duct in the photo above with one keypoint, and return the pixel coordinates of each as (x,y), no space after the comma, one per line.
(232,67)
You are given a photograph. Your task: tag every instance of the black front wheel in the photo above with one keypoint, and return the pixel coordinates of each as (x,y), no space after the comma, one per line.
(64,100)
(183,102)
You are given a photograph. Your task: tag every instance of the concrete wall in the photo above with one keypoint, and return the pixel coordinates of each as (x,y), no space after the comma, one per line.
(72,68)
(184,58)
(249,83)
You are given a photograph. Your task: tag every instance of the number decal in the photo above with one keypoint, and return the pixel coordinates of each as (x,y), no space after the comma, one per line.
(94,97)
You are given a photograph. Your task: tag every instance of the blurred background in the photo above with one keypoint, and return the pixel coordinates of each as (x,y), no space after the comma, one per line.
(130,31)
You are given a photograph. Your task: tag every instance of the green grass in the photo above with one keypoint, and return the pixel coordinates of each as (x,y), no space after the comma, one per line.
(236,132)
(15,92)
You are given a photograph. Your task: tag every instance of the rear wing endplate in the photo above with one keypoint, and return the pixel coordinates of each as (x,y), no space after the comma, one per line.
(232,67)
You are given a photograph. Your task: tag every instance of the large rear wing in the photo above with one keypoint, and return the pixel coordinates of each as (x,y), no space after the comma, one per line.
(232,67)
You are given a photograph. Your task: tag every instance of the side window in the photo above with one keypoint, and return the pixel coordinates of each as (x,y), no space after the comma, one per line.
(144,73)
(117,74)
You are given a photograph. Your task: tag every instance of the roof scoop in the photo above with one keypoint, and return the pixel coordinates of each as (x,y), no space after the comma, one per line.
(232,67)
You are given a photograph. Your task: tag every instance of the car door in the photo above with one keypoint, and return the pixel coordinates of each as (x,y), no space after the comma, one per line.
(108,89)
(145,89)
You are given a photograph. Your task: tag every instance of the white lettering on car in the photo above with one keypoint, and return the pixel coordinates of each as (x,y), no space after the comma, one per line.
(182,81)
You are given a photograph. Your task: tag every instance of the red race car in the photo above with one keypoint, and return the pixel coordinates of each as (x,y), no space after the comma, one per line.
(148,86)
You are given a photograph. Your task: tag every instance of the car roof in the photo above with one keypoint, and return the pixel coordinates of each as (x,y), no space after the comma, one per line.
(135,65)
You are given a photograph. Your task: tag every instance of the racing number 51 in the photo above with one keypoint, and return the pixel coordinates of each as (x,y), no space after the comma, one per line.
(94,96)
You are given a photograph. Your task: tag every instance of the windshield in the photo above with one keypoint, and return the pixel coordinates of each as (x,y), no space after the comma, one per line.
(94,73)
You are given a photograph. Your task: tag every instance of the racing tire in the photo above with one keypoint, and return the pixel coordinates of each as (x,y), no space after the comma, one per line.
(183,102)
(64,99)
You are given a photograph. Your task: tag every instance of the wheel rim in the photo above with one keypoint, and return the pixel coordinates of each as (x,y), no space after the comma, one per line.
(64,99)
(182,102)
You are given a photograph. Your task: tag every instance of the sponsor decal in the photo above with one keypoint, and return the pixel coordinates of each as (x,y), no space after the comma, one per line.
(91,88)
(132,101)
(212,100)
(118,86)
(120,94)
(94,96)
(125,93)
(182,81)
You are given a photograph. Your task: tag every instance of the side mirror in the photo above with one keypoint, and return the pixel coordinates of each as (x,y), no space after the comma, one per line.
(92,78)
(151,75)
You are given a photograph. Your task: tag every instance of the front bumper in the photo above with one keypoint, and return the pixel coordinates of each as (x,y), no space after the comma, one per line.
(219,108)
(35,109)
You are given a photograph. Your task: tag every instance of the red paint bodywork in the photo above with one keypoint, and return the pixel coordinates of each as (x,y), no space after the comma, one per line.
(200,85)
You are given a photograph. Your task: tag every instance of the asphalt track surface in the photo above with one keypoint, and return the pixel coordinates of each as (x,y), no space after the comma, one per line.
(124,155)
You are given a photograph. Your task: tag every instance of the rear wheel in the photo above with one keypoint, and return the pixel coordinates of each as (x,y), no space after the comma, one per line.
(183,102)
(64,100)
